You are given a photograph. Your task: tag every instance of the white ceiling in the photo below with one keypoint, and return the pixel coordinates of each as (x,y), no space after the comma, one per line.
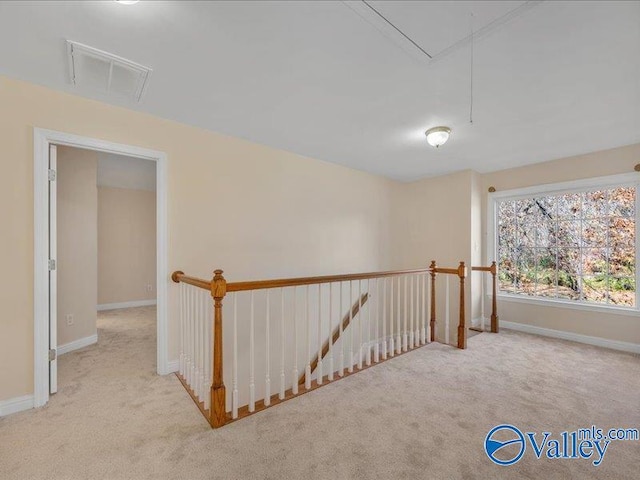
(119,171)
(331,80)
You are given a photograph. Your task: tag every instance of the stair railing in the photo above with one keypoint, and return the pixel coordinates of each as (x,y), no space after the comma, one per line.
(291,336)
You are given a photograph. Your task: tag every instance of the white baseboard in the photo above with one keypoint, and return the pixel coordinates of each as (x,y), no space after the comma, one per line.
(173,366)
(477,322)
(574,337)
(77,344)
(15,405)
(136,303)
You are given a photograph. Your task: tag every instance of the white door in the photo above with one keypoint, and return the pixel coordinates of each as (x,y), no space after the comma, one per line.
(53,288)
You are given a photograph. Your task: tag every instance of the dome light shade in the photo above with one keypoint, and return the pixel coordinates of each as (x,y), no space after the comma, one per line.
(127,2)
(437,136)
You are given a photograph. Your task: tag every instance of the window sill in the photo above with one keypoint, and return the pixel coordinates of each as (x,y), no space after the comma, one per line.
(548,302)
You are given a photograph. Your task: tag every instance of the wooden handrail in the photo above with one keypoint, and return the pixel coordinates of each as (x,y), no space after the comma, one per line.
(355,309)
(295,282)
(493,270)
(481,269)
(179,276)
(448,271)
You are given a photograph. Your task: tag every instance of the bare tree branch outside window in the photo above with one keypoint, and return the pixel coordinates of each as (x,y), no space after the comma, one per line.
(574,246)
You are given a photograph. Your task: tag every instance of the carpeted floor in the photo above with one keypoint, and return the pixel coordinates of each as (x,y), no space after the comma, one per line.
(423,415)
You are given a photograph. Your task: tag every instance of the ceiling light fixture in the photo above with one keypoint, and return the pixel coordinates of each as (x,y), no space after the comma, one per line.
(128,2)
(437,136)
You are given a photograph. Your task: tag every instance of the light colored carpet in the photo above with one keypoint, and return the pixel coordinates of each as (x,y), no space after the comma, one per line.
(423,415)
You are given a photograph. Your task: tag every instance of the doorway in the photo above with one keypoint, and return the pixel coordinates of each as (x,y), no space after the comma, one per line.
(46,251)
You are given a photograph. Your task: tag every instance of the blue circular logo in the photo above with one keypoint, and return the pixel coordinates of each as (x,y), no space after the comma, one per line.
(514,437)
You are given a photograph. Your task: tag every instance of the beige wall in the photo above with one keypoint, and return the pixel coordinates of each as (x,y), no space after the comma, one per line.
(126,245)
(252,210)
(624,328)
(477,250)
(431,221)
(77,235)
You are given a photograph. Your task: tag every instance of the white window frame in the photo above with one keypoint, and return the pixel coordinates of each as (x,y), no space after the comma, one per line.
(575,186)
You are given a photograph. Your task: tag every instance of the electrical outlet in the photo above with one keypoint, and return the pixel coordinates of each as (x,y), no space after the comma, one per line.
(69,318)
(149,288)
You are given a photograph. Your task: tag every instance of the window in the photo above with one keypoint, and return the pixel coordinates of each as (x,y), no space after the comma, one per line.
(575,246)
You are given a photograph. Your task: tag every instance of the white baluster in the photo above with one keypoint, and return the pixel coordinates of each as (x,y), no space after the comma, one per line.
(234,391)
(307,370)
(194,316)
(417,312)
(203,346)
(295,373)
(208,338)
(192,336)
(198,318)
(182,320)
(196,360)
(376,348)
(405,314)
(384,318)
(267,377)
(189,336)
(391,322)
(423,305)
(376,351)
(398,319)
(411,339)
(319,371)
(482,301)
(252,385)
(282,340)
(208,343)
(331,332)
(360,320)
(350,366)
(340,326)
(446,311)
(195,363)
(203,384)
(196,342)
(427,316)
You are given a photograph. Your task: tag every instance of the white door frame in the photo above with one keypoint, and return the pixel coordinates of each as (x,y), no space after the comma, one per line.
(42,138)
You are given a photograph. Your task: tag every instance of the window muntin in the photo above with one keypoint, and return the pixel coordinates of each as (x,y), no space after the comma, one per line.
(578,246)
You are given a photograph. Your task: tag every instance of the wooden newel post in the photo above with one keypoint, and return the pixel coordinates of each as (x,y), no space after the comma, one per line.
(462,329)
(218,413)
(432,323)
(494,300)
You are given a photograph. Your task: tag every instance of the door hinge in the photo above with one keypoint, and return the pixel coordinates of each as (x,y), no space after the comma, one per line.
(52,354)
(52,264)
(52,175)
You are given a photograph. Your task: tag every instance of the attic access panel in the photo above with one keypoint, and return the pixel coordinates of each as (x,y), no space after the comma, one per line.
(95,69)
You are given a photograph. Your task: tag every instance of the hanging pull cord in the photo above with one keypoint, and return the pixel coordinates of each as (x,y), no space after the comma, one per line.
(471,74)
